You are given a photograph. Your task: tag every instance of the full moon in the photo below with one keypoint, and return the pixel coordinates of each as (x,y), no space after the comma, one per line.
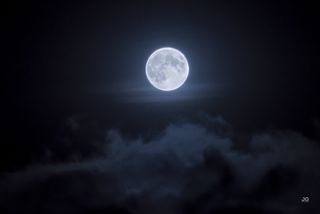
(167,69)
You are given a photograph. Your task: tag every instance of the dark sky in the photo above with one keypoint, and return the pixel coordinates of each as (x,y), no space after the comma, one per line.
(239,135)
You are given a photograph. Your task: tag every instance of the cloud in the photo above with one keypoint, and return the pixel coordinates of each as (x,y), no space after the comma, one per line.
(146,93)
(189,167)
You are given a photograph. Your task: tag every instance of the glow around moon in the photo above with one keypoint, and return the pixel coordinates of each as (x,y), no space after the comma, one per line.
(167,69)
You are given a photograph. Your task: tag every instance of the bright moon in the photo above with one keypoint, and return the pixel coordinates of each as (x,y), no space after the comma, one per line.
(167,69)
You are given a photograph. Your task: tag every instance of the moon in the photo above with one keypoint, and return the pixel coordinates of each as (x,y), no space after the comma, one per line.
(167,69)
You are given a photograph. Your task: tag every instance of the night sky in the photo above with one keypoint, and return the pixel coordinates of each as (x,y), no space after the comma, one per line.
(85,132)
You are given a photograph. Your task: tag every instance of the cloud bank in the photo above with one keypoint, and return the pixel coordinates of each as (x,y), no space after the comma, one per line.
(186,168)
